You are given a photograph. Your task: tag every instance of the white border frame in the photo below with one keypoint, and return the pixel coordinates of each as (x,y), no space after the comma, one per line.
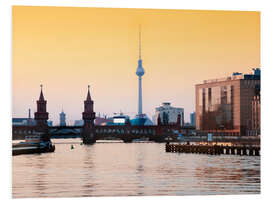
(6,88)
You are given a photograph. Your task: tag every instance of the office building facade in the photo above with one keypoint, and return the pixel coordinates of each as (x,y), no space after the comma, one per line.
(169,114)
(226,104)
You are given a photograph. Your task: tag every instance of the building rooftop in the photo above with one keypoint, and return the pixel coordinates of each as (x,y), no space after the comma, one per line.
(167,105)
(237,76)
(141,120)
(19,119)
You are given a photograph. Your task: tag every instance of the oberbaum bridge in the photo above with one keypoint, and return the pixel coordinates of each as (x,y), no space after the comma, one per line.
(90,132)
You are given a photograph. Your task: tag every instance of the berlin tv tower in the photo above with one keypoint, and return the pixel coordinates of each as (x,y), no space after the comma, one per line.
(140,73)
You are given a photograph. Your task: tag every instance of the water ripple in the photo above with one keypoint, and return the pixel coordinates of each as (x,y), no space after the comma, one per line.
(118,169)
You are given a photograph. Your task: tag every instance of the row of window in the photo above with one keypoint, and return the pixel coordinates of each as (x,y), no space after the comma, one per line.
(26,132)
(220,133)
(122,131)
(253,132)
(135,131)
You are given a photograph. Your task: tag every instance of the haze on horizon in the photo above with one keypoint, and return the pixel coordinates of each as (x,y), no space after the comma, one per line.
(67,48)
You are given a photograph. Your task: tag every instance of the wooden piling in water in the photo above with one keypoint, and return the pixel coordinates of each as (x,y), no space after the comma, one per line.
(238,151)
(244,151)
(257,152)
(212,149)
(233,150)
(227,150)
(250,151)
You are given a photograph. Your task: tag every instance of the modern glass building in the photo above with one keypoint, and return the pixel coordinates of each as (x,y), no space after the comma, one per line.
(226,104)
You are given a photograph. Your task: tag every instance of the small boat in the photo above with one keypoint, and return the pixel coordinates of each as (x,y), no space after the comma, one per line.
(32,144)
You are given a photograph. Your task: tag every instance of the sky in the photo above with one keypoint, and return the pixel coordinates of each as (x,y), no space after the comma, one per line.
(67,48)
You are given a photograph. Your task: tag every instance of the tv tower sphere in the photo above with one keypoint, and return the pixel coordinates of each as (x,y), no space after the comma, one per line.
(140,70)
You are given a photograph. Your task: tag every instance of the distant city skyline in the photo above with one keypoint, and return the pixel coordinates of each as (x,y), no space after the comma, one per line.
(73,47)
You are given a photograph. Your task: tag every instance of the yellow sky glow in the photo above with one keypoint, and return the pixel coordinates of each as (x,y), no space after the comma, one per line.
(67,48)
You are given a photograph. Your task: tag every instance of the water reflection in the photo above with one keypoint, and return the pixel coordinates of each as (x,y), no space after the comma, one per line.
(119,169)
(87,179)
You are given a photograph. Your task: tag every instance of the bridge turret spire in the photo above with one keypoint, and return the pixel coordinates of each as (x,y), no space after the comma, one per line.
(88,98)
(41,115)
(41,97)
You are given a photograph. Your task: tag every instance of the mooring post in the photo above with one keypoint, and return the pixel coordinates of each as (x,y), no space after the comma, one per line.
(227,150)
(244,150)
(167,147)
(257,151)
(232,150)
(238,149)
(250,150)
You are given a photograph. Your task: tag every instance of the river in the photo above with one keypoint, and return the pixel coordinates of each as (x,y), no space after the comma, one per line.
(130,169)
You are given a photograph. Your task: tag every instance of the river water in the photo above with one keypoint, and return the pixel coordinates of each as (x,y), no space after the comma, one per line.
(128,169)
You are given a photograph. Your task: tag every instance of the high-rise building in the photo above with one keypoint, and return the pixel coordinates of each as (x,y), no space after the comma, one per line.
(226,103)
(193,119)
(169,114)
(62,116)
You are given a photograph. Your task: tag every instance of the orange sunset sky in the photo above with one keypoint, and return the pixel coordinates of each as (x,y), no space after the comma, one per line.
(67,48)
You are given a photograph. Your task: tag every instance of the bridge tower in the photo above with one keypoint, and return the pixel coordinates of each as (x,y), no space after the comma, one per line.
(41,117)
(88,133)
